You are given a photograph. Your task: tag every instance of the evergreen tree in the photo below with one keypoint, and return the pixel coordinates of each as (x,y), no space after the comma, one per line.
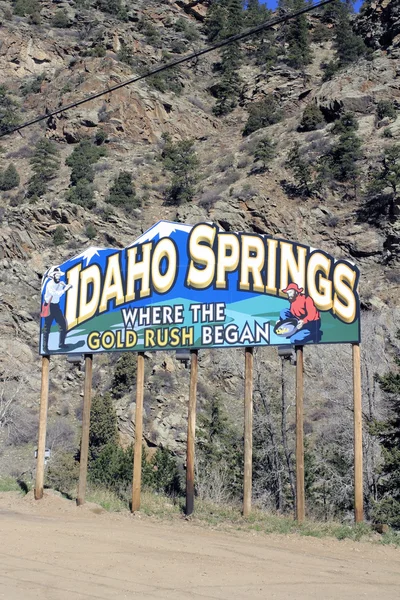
(229,87)
(312,118)
(264,152)
(340,163)
(82,194)
(218,444)
(122,192)
(81,161)
(103,425)
(9,179)
(388,176)
(297,36)
(215,22)
(264,43)
(45,164)
(387,510)
(8,111)
(261,114)
(301,170)
(180,159)
(349,46)
(59,235)
(124,375)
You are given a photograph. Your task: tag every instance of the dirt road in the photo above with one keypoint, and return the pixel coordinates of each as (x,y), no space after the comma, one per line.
(54,551)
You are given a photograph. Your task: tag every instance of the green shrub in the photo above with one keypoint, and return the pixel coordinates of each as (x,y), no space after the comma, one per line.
(346,123)
(386,108)
(312,118)
(90,231)
(122,192)
(82,159)
(113,467)
(60,19)
(330,69)
(161,473)
(113,7)
(96,51)
(62,472)
(262,114)
(33,86)
(100,137)
(167,81)
(9,117)
(28,8)
(59,235)
(125,54)
(388,175)
(340,163)
(9,179)
(82,194)
(188,29)
(301,170)
(153,37)
(387,133)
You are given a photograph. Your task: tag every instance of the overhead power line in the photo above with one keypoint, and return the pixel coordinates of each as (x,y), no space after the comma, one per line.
(170,65)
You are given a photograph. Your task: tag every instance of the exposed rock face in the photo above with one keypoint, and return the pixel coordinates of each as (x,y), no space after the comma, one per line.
(379,24)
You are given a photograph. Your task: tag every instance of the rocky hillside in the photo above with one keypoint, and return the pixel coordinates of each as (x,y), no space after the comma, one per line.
(73,49)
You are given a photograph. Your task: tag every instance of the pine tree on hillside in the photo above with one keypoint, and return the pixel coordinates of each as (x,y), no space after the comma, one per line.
(387,510)
(264,42)
(349,46)
(229,87)
(103,425)
(9,179)
(180,159)
(387,177)
(296,34)
(122,192)
(45,163)
(215,22)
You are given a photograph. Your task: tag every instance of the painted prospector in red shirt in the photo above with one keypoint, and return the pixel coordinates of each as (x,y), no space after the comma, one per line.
(303,309)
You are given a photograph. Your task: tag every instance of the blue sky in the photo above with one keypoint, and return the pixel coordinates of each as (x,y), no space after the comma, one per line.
(273,3)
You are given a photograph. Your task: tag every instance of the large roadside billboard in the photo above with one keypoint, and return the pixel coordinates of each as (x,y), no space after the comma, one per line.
(181,286)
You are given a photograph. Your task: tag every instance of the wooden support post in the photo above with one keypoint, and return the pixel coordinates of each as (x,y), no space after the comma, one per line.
(358,451)
(87,402)
(300,496)
(137,457)
(44,401)
(191,433)
(248,431)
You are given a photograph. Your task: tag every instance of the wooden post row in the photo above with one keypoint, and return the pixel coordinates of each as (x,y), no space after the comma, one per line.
(84,455)
(191,433)
(44,401)
(137,457)
(300,494)
(248,431)
(358,457)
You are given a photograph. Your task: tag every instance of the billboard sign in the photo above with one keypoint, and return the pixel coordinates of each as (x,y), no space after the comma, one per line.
(181,286)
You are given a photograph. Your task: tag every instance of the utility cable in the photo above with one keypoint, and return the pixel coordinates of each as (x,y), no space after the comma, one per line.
(170,65)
